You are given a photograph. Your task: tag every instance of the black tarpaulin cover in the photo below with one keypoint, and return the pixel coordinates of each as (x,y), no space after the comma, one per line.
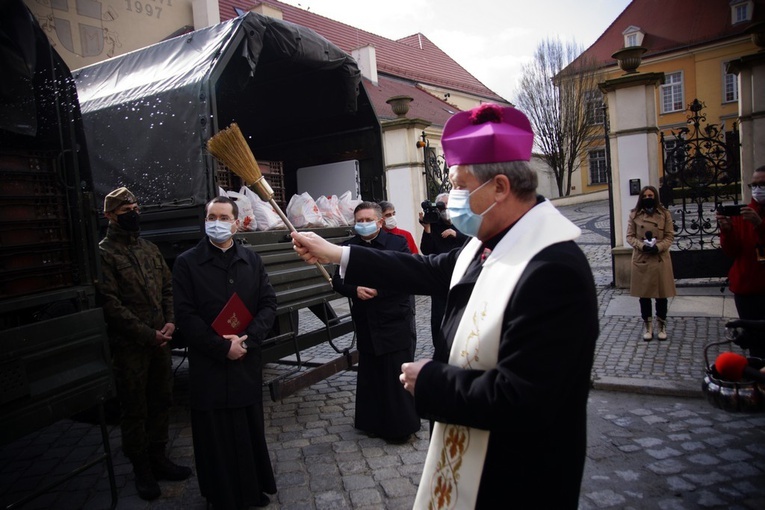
(149,113)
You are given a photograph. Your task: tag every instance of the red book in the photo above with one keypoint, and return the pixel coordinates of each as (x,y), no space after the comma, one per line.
(234,317)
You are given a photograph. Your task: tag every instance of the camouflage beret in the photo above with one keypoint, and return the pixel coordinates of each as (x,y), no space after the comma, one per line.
(118,197)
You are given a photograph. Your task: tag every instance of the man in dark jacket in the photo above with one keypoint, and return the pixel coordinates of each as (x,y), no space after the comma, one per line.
(225,374)
(521,322)
(136,293)
(386,335)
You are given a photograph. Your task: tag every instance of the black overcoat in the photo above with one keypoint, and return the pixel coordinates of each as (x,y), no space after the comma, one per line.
(384,323)
(535,401)
(203,281)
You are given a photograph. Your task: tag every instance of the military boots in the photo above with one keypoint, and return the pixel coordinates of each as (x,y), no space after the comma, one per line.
(165,469)
(145,482)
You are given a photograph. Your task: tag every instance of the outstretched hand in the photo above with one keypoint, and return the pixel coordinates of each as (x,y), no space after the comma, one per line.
(313,248)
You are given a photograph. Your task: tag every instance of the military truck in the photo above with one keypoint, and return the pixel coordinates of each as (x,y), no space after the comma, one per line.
(54,351)
(299,101)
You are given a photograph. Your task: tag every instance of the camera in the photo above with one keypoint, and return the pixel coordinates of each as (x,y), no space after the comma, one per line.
(730,210)
(432,211)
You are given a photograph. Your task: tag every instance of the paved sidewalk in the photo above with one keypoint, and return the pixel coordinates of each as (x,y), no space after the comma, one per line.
(655,444)
(696,317)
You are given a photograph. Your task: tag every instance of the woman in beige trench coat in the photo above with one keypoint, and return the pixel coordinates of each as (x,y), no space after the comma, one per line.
(650,232)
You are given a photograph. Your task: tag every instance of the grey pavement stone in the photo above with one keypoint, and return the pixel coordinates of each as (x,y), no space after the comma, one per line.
(652,442)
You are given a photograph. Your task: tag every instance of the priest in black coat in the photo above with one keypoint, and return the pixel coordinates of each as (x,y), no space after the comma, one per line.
(521,324)
(386,336)
(225,368)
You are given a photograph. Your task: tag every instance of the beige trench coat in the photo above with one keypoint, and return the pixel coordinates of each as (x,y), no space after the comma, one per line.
(652,275)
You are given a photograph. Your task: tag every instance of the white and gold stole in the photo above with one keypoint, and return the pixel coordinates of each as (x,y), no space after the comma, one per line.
(453,467)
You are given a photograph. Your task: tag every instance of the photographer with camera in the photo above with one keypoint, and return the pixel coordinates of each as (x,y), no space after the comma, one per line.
(742,237)
(438,236)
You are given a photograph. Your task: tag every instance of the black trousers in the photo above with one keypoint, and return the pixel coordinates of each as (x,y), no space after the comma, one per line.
(661,308)
(752,307)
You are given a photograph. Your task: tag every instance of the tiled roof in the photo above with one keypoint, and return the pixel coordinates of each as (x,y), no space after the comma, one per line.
(424,105)
(413,58)
(671,25)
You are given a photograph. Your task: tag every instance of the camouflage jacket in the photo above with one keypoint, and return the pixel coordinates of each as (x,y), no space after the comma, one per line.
(136,289)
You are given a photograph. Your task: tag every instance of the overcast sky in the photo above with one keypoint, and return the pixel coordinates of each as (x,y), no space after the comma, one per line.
(489,38)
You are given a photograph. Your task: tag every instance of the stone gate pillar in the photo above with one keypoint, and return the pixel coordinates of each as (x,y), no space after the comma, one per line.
(634,144)
(751,113)
(404,169)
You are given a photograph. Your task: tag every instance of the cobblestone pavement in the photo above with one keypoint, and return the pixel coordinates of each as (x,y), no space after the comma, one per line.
(656,444)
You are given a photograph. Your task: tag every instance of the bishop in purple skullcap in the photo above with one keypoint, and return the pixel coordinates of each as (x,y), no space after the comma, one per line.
(487,134)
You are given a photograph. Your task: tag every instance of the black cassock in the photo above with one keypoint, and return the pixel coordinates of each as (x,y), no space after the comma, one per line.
(386,336)
(226,397)
(534,402)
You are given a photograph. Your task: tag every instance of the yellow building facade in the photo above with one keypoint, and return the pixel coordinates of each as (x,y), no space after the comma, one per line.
(700,73)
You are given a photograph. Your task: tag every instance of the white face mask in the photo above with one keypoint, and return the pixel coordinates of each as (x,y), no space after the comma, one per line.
(218,231)
(390,222)
(759,195)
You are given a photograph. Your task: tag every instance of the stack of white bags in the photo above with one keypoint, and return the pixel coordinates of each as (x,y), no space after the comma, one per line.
(303,211)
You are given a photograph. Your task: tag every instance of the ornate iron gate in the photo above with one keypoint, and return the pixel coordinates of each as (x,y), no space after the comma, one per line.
(436,172)
(701,172)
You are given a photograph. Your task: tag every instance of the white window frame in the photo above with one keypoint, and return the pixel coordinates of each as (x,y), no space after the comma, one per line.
(741,11)
(674,89)
(594,107)
(598,156)
(633,36)
(729,80)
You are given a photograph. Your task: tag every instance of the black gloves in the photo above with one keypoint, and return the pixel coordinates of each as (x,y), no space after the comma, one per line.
(651,249)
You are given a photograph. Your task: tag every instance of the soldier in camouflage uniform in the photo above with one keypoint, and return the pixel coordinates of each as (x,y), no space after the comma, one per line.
(137,299)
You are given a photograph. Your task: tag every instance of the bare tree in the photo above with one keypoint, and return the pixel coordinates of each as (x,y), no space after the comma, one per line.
(555,92)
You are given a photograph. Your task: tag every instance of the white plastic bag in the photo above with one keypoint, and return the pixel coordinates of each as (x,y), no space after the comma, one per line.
(330,211)
(347,205)
(247,221)
(266,218)
(303,212)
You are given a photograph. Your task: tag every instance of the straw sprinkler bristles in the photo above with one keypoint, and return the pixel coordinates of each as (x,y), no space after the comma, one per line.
(230,147)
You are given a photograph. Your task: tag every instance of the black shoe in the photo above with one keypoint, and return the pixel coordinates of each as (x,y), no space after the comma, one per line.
(264,501)
(145,483)
(165,469)
(398,440)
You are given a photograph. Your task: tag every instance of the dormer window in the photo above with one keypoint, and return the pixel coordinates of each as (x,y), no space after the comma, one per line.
(633,36)
(741,11)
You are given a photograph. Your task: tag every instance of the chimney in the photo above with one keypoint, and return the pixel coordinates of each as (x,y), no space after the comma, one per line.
(268,10)
(204,13)
(366,58)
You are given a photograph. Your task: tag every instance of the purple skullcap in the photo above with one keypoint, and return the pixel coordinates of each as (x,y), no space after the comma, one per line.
(487,134)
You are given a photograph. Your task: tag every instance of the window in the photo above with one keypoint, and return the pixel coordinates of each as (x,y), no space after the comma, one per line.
(633,36)
(594,105)
(741,11)
(730,87)
(672,93)
(598,167)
